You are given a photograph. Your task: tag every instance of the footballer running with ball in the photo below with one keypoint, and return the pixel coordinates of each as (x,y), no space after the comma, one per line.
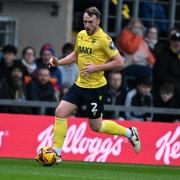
(94,53)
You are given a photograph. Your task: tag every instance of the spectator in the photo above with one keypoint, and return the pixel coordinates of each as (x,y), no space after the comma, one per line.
(167,67)
(69,72)
(151,38)
(166,99)
(9,62)
(138,56)
(14,88)
(114,95)
(132,44)
(28,59)
(46,53)
(140,96)
(41,89)
(172,31)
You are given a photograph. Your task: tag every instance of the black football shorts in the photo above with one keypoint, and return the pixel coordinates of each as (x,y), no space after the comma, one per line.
(92,98)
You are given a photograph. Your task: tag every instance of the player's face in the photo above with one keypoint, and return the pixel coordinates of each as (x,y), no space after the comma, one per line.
(91,24)
(9,57)
(143,89)
(43,76)
(115,81)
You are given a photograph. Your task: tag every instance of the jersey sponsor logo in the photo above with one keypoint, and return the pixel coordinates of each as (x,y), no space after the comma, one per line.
(112,46)
(85,50)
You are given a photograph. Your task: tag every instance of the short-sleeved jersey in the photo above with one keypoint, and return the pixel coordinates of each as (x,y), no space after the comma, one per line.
(97,48)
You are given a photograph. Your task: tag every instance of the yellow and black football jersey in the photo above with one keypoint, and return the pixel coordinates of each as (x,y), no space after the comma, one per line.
(97,48)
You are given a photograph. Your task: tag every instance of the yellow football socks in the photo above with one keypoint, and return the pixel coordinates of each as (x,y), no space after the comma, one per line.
(111,127)
(60,129)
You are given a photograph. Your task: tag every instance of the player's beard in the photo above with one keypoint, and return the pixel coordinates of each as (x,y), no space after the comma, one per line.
(90,32)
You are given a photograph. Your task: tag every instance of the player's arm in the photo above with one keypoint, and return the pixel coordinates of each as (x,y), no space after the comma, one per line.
(115,62)
(69,59)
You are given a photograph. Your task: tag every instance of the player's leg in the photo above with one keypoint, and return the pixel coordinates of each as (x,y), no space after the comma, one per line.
(63,110)
(109,127)
(95,107)
(113,128)
(68,104)
(95,110)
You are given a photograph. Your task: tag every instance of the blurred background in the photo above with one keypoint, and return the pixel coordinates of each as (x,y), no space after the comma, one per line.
(146,33)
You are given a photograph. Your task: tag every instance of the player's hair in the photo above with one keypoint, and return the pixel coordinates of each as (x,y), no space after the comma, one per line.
(93,11)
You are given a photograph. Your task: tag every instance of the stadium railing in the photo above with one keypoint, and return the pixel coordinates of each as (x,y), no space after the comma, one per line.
(115,108)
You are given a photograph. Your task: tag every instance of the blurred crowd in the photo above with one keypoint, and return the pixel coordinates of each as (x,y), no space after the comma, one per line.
(151,77)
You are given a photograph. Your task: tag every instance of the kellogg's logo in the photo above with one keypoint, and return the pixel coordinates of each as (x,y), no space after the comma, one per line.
(2,135)
(168,146)
(95,149)
(45,137)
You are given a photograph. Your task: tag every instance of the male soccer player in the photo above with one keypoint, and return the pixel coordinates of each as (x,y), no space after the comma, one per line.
(94,53)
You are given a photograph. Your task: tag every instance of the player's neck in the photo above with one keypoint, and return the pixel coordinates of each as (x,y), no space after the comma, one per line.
(97,29)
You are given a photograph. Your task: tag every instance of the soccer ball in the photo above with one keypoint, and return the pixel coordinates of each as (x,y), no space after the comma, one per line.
(46,156)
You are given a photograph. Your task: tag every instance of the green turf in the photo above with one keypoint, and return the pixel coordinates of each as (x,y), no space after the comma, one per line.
(18,169)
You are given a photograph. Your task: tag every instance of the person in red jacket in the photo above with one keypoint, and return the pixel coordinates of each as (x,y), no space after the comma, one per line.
(132,44)
(137,54)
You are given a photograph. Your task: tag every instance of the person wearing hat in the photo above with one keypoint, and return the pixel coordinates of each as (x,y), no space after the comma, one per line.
(139,96)
(167,68)
(46,52)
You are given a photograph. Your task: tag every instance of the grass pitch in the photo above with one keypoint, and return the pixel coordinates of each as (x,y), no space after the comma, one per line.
(27,169)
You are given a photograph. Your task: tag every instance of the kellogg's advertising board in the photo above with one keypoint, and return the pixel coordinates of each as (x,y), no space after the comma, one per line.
(22,135)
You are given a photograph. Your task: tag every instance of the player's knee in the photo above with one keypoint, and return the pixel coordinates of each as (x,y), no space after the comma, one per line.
(95,126)
(59,113)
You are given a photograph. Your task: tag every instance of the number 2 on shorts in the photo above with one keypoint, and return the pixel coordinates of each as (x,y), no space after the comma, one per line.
(94,108)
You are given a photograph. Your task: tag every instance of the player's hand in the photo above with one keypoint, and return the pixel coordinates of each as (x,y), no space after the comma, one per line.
(90,68)
(53,61)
